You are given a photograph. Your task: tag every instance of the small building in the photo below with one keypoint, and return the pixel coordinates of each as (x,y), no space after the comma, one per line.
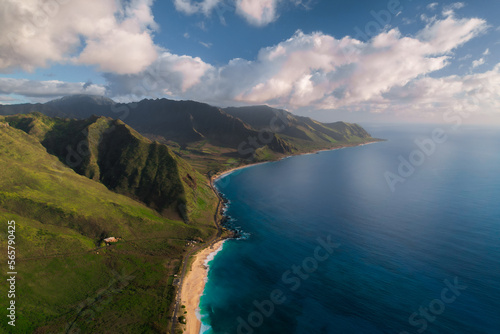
(110,240)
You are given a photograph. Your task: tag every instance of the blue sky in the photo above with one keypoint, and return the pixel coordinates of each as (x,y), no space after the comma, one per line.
(380,61)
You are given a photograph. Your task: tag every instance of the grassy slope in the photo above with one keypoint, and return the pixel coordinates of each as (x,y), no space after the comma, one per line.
(61,216)
(63,280)
(111,152)
(208,158)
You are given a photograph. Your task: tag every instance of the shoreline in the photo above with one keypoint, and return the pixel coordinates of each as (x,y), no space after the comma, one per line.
(194,285)
(195,279)
(226,172)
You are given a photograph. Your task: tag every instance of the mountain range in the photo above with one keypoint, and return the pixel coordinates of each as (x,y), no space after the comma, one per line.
(209,136)
(81,169)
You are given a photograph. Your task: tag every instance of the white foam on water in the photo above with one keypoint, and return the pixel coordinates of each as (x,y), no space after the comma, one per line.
(207,329)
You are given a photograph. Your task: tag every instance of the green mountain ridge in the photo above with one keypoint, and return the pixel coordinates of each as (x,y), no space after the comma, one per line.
(83,168)
(211,139)
(297,127)
(111,152)
(66,277)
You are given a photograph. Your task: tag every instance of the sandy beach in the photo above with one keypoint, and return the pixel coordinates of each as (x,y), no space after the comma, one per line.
(194,281)
(193,285)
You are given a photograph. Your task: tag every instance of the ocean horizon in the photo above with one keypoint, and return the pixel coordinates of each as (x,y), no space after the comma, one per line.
(396,237)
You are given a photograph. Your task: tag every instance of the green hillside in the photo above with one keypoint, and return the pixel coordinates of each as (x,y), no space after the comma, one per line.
(303,133)
(69,183)
(67,279)
(111,152)
(210,139)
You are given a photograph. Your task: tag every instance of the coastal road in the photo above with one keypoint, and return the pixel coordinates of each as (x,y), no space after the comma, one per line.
(178,300)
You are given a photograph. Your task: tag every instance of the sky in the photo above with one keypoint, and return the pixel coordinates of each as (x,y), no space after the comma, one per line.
(354,60)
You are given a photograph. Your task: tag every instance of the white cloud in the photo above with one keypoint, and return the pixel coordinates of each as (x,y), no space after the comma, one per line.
(477,63)
(457,5)
(190,69)
(47,89)
(207,45)
(475,93)
(444,35)
(407,21)
(450,9)
(480,61)
(432,6)
(190,7)
(257,12)
(116,37)
(170,75)
(467,56)
(318,71)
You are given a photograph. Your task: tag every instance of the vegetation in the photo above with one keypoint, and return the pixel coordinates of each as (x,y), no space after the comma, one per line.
(66,279)
(69,183)
(209,138)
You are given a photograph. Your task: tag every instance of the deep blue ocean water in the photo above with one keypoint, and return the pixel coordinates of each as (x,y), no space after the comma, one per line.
(424,258)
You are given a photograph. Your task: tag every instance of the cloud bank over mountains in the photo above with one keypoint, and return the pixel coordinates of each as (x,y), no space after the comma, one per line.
(390,71)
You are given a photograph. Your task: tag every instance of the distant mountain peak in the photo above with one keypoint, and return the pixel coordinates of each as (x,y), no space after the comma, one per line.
(236,132)
(82,98)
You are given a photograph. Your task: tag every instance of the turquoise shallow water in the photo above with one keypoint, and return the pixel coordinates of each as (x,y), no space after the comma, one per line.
(328,247)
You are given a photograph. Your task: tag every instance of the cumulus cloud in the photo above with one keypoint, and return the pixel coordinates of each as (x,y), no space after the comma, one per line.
(115,36)
(478,92)
(48,89)
(169,75)
(330,73)
(257,12)
(318,71)
(313,70)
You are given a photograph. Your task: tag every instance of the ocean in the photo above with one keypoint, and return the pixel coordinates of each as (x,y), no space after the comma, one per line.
(401,236)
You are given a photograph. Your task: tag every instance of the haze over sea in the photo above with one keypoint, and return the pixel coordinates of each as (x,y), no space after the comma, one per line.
(424,258)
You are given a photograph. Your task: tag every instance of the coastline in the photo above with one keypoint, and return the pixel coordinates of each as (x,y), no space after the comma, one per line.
(194,284)
(226,172)
(195,278)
